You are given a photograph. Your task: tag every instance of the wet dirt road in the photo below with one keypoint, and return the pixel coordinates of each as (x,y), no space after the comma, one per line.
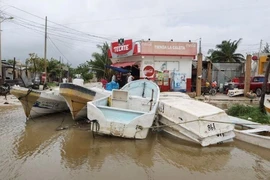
(33,149)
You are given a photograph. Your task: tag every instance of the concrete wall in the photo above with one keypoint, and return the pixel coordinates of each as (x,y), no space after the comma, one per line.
(161,63)
(223,72)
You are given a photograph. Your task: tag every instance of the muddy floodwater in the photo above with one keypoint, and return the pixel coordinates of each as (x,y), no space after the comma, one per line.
(34,150)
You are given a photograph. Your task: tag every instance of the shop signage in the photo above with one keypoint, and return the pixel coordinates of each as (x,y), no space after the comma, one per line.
(169,48)
(148,71)
(121,48)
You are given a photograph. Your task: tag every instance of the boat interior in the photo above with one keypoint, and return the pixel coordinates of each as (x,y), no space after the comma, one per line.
(120,106)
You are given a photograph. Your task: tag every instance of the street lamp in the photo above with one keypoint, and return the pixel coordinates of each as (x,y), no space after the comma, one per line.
(2,19)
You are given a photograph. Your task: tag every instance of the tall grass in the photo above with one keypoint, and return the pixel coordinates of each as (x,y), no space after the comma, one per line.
(246,112)
(52,84)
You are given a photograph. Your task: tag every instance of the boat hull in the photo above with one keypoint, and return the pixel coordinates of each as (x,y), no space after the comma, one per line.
(251,132)
(267,104)
(195,121)
(127,113)
(77,96)
(126,124)
(183,133)
(254,138)
(39,103)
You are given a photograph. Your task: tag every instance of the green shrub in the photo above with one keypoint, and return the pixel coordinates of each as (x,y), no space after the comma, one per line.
(245,112)
(52,84)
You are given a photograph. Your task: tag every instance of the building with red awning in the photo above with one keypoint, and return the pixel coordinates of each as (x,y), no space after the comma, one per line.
(168,63)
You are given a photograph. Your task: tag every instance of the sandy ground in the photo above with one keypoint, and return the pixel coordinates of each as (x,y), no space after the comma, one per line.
(10,101)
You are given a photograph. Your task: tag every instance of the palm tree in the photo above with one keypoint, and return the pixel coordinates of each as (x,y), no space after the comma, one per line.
(266,49)
(100,61)
(226,52)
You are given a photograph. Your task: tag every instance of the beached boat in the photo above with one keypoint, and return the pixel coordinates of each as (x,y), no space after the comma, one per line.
(251,132)
(128,112)
(77,95)
(267,104)
(38,103)
(194,121)
(173,94)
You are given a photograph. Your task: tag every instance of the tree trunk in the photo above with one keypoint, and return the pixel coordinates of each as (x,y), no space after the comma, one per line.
(264,87)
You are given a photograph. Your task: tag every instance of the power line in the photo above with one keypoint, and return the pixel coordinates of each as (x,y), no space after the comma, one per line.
(90,35)
(172,14)
(36,28)
(58,49)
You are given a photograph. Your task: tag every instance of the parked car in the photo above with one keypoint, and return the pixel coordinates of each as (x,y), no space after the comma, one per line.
(256,84)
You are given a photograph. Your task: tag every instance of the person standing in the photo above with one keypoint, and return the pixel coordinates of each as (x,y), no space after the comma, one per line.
(130,77)
(114,78)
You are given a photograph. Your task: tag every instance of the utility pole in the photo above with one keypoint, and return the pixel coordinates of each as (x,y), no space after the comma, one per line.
(2,19)
(68,73)
(258,61)
(61,68)
(247,75)
(200,46)
(45,51)
(260,47)
(13,68)
(1,73)
(199,71)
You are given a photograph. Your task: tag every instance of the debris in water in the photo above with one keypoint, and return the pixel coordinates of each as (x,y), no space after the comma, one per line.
(61,128)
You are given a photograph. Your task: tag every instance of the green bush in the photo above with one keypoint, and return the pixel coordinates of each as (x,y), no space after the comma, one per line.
(245,112)
(52,84)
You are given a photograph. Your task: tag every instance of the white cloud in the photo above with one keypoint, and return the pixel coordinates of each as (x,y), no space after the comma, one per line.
(211,20)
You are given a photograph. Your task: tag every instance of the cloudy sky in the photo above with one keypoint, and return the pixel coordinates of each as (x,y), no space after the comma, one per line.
(75,27)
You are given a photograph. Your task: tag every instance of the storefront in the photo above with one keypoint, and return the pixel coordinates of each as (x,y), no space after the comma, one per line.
(167,63)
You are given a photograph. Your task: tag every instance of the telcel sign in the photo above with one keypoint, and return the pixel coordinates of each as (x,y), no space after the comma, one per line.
(122,46)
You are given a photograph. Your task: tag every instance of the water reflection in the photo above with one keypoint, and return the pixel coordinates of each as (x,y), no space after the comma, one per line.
(252,149)
(75,154)
(39,134)
(79,148)
(183,154)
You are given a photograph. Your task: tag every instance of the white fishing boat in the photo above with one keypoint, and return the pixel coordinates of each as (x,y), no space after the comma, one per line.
(267,104)
(128,112)
(194,121)
(251,132)
(173,94)
(78,94)
(38,103)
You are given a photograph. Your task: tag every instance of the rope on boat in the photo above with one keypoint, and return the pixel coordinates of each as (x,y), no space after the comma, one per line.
(28,92)
(27,101)
(151,100)
(60,127)
(77,102)
(226,122)
(143,89)
(94,126)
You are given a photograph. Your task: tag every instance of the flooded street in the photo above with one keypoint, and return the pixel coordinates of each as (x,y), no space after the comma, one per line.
(33,150)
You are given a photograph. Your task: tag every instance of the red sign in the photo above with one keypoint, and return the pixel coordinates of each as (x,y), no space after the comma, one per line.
(169,48)
(254,58)
(122,48)
(148,71)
